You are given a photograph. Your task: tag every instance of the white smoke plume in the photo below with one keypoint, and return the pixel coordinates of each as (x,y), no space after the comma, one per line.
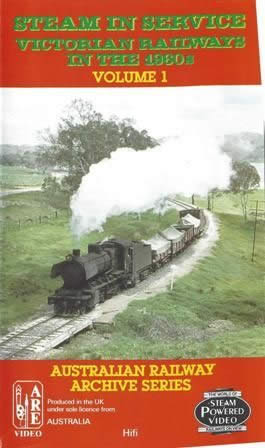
(136,181)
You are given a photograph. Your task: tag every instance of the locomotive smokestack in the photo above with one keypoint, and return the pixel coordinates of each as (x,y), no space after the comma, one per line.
(76,252)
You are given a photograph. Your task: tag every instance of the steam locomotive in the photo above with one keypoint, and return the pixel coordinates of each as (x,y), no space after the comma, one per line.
(113,265)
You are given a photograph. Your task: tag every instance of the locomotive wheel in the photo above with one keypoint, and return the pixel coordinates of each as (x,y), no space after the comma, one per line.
(124,284)
(56,308)
(89,307)
(69,308)
(82,309)
(59,308)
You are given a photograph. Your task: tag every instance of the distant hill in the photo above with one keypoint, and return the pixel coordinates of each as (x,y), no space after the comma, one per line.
(24,155)
(17,148)
(247,146)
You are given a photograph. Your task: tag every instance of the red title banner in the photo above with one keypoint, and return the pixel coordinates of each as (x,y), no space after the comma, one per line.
(129,44)
(177,403)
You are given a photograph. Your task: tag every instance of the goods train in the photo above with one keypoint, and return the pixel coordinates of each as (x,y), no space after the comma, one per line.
(114,264)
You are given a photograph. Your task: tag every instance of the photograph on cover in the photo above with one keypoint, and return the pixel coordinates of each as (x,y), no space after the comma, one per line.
(133,223)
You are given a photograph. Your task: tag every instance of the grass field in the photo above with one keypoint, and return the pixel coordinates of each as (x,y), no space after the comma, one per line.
(217,310)
(18,177)
(230,203)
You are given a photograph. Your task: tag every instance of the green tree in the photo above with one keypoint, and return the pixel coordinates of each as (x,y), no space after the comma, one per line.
(244,181)
(83,138)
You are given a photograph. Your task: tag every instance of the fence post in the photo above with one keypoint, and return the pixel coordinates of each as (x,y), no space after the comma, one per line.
(56,214)
(208,202)
(40,219)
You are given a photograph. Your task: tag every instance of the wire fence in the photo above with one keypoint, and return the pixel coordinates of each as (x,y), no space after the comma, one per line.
(9,223)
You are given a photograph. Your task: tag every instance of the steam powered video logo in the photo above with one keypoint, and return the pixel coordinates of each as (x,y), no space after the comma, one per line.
(27,408)
(222,411)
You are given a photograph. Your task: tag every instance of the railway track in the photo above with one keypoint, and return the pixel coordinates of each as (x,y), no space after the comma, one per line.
(184,205)
(41,334)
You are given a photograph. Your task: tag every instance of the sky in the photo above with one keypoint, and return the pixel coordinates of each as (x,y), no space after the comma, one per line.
(162,112)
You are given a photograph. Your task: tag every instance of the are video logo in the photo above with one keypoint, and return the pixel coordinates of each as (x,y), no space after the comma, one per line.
(27,408)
